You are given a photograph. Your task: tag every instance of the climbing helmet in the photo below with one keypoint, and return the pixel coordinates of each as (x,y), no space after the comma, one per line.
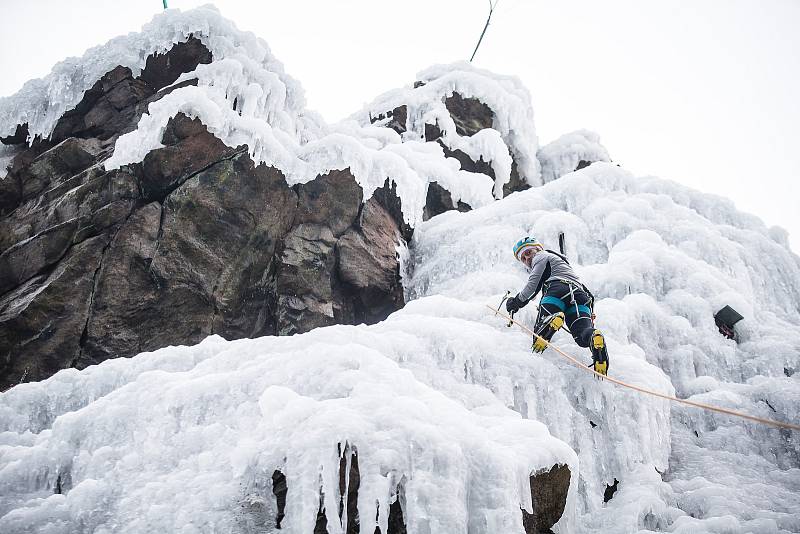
(524,244)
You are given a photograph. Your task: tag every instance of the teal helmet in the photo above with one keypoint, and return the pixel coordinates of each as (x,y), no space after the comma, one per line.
(525,243)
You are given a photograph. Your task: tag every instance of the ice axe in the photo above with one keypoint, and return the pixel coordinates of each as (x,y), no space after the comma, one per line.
(511,315)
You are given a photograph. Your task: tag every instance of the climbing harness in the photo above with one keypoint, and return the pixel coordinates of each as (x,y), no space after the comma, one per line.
(542,320)
(542,326)
(646,391)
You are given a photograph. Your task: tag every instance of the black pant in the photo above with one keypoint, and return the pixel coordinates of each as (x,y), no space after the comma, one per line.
(575,303)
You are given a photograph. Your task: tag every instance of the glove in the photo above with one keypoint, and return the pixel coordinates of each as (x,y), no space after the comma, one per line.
(514,304)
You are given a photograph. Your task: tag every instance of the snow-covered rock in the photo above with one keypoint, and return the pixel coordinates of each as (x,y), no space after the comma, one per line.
(438,415)
(443,397)
(192,119)
(570,152)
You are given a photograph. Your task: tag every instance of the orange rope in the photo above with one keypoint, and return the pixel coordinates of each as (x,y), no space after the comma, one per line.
(650,391)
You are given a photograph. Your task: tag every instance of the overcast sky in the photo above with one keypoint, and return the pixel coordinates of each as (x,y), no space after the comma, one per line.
(703,92)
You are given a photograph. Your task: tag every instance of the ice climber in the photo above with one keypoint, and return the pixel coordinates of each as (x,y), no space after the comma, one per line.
(564,300)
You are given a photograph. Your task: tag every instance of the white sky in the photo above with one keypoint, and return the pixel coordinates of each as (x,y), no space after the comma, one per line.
(703,92)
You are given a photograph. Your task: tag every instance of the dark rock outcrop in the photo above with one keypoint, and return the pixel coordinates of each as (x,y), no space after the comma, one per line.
(194,240)
(161,70)
(368,266)
(549,496)
(333,199)
(345,271)
(397,119)
(304,286)
(106,109)
(114,104)
(438,200)
(110,108)
(470,114)
(19,136)
(207,251)
(42,320)
(189,149)
(31,256)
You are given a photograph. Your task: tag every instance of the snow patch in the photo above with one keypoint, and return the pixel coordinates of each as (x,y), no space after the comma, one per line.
(7,154)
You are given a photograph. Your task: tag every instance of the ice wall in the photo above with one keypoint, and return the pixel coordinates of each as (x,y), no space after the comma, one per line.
(188,438)
(661,260)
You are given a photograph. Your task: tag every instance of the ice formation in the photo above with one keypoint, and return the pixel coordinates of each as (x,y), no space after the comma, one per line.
(244,96)
(41,102)
(563,155)
(505,95)
(242,102)
(661,259)
(443,394)
(441,399)
(229,413)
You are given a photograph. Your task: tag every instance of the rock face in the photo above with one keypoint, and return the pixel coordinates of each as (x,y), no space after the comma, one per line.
(192,241)
(438,200)
(549,496)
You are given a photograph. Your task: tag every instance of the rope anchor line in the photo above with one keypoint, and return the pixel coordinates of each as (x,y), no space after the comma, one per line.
(651,392)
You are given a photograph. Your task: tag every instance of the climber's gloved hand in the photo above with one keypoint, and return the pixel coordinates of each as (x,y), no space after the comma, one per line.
(514,304)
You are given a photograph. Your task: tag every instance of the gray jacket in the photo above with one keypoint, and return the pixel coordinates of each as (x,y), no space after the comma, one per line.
(546,266)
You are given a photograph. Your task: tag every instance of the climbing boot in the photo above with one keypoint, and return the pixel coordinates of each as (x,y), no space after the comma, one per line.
(599,353)
(547,331)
